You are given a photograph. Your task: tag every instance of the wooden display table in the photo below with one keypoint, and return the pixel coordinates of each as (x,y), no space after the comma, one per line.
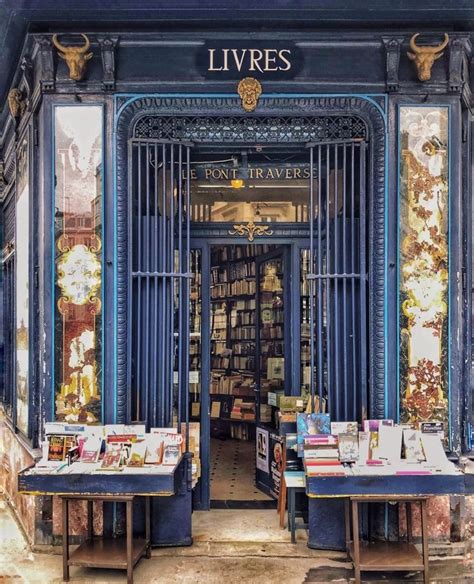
(99,552)
(388,556)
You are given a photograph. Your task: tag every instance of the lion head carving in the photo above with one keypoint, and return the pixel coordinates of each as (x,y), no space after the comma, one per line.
(249,90)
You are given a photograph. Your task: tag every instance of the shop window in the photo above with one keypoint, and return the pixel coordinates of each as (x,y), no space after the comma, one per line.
(7,328)
(78,264)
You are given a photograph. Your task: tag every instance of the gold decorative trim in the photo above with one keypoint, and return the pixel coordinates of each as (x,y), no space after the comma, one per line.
(16,103)
(250,90)
(250,230)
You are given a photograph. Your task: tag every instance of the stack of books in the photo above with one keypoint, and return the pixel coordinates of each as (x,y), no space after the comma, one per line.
(321,455)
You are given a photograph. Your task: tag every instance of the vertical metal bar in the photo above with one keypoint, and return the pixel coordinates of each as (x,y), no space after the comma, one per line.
(186,297)
(161,404)
(181,287)
(363,279)
(328,281)
(336,284)
(171,289)
(156,352)
(344,284)
(138,361)
(311,281)
(147,288)
(320,285)
(353,283)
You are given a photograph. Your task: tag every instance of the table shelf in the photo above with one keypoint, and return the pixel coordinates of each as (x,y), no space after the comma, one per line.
(388,556)
(107,553)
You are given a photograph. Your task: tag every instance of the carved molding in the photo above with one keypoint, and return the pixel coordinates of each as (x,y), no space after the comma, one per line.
(303,106)
(107,48)
(46,63)
(392,50)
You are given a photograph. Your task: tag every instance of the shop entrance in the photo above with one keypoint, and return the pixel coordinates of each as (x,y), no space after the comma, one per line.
(248,333)
(248,282)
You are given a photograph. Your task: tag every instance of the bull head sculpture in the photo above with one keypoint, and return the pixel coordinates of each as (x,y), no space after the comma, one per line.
(424,57)
(75,57)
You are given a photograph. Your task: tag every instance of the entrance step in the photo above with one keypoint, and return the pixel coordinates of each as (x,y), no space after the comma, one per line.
(238,549)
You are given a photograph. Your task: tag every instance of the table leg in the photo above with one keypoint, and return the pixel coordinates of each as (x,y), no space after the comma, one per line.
(347,522)
(424,539)
(90,520)
(282,501)
(129,541)
(355,529)
(65,540)
(409,522)
(292,504)
(147,526)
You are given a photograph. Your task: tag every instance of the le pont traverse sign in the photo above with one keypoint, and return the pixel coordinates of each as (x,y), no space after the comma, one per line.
(259,59)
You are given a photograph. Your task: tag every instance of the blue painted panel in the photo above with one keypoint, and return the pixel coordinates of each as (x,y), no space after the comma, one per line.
(385,485)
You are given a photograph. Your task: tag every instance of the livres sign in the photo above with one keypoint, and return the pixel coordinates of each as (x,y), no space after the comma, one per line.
(259,59)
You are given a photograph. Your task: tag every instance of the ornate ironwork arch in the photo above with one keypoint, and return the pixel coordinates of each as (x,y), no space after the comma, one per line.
(280,129)
(285,120)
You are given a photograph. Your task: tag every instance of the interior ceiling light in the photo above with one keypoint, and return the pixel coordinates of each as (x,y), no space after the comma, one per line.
(237,183)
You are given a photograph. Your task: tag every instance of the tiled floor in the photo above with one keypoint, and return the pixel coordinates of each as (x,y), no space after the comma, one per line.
(233,471)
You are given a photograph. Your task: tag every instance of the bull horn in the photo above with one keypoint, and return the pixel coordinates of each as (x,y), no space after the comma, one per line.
(58,45)
(427,50)
(64,49)
(87,44)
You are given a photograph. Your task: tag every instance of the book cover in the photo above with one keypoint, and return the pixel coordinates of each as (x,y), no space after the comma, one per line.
(215,409)
(373,445)
(373,425)
(344,428)
(313,424)
(154,449)
(436,428)
(112,457)
(348,447)
(171,454)
(137,454)
(412,445)
(56,448)
(91,449)
(390,443)
(364,444)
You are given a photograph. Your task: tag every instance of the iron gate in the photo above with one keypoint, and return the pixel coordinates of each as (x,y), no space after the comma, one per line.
(159,276)
(159,256)
(338,277)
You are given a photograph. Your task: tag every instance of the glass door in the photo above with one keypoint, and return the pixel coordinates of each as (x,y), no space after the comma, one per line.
(272,363)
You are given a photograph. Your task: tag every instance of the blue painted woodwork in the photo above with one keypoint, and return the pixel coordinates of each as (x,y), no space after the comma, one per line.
(437,484)
(98,483)
(326,524)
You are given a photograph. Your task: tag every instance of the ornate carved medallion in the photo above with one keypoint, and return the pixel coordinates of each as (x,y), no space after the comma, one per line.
(251,230)
(250,90)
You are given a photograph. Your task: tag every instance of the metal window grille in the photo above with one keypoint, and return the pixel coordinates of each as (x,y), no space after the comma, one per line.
(338,277)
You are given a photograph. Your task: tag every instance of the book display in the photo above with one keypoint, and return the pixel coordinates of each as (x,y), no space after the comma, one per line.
(382,448)
(85,450)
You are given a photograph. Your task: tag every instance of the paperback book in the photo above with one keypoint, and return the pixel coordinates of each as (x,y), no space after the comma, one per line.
(348,447)
(137,454)
(113,457)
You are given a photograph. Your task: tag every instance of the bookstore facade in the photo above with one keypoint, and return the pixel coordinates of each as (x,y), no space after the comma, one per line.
(213,232)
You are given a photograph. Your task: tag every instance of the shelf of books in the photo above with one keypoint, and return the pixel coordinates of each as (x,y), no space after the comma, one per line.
(233,310)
